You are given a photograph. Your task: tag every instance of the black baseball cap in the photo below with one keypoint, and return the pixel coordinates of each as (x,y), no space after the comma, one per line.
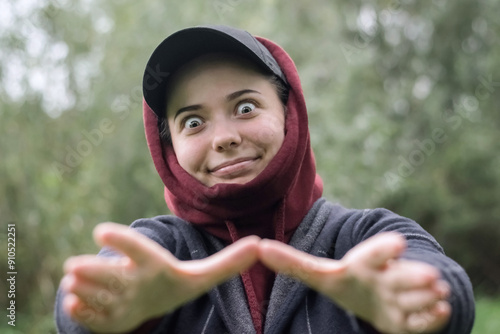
(190,43)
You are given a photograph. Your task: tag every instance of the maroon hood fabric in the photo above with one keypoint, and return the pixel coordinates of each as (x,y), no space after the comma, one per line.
(271,206)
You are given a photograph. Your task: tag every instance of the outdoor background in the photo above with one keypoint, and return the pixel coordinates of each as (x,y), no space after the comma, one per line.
(403,100)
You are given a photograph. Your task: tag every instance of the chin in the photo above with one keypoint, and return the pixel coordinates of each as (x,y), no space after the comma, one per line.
(237,180)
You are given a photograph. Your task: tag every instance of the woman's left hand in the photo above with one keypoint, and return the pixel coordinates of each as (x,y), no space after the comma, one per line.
(394,295)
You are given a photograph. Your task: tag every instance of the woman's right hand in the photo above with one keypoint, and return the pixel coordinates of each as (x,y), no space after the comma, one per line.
(115,295)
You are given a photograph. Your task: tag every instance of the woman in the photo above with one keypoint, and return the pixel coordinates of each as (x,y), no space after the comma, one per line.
(226,124)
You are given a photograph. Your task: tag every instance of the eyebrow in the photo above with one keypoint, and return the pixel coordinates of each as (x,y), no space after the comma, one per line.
(229,98)
(237,94)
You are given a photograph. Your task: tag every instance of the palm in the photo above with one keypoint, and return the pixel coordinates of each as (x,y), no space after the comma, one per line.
(395,296)
(118,294)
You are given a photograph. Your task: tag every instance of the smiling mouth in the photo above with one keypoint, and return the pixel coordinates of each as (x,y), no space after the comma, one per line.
(234,168)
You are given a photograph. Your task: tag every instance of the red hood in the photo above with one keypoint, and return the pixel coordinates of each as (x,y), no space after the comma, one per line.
(284,192)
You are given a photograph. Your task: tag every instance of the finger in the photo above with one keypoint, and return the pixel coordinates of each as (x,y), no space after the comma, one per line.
(442,313)
(417,300)
(83,312)
(292,262)
(101,296)
(432,320)
(406,275)
(442,288)
(83,262)
(74,262)
(136,246)
(378,250)
(99,270)
(70,304)
(77,309)
(223,265)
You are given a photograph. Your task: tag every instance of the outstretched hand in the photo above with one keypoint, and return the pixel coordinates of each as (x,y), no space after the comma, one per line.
(394,295)
(115,295)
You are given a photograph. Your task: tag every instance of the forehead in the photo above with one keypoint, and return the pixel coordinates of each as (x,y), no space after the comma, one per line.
(195,73)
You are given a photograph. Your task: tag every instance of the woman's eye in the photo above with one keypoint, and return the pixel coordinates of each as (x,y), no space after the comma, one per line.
(192,122)
(245,108)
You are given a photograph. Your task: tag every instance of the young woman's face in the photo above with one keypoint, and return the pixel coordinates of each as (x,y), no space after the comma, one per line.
(226,120)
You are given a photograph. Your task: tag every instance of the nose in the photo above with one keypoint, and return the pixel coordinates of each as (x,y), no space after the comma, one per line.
(226,136)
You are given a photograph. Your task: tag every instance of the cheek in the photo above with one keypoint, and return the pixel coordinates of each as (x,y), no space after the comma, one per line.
(189,155)
(271,132)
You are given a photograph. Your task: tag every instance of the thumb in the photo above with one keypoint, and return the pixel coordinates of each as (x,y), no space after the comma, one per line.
(139,248)
(378,250)
(224,264)
(305,267)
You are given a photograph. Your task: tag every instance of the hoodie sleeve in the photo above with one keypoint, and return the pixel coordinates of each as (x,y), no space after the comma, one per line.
(421,247)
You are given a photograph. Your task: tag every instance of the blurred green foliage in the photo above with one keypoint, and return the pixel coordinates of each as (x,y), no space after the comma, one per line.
(487,321)
(402,97)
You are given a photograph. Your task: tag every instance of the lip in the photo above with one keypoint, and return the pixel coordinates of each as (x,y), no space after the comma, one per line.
(234,167)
